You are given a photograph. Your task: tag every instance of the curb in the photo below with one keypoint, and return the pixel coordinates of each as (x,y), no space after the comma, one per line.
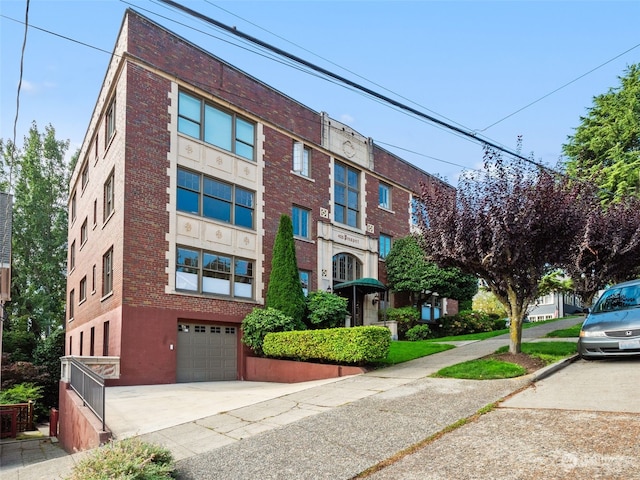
(553,368)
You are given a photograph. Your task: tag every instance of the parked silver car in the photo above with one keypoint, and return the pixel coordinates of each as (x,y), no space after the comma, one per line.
(612,327)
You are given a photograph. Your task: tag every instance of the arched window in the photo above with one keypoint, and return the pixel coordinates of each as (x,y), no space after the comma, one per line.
(346,267)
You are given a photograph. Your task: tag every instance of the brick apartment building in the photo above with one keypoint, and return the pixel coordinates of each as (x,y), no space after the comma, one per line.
(184,172)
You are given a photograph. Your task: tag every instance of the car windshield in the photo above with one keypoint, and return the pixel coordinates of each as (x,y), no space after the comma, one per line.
(619,299)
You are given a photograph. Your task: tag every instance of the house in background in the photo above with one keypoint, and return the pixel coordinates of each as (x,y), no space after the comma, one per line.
(186,167)
(555,305)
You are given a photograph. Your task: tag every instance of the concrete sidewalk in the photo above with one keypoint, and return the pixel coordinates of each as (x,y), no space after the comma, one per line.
(327,429)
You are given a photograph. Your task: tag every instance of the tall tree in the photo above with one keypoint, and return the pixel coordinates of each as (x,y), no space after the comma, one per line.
(284,291)
(506,225)
(408,270)
(39,244)
(605,148)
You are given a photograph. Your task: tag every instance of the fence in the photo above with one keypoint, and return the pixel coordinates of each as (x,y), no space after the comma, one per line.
(15,418)
(89,386)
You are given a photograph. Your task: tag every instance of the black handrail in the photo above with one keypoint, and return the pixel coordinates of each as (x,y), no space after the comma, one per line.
(90,388)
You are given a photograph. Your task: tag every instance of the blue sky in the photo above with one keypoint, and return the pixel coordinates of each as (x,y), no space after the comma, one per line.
(470,63)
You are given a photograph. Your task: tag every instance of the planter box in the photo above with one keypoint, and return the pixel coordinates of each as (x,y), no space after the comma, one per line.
(258,369)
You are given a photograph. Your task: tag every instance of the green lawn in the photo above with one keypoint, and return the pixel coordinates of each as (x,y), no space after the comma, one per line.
(487,369)
(401,351)
(482,369)
(567,332)
(550,352)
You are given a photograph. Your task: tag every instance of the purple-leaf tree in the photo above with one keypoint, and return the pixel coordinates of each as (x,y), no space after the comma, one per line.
(607,249)
(508,224)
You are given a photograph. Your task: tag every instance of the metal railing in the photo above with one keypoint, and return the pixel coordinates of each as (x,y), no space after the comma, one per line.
(89,386)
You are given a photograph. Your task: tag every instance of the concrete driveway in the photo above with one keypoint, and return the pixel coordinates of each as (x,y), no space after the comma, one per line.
(581,423)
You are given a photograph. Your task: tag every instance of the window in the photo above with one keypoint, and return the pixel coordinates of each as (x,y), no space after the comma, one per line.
(105,339)
(346,195)
(384,196)
(300,220)
(108,197)
(207,272)
(85,174)
(72,299)
(84,232)
(216,127)
(346,267)
(301,156)
(83,289)
(92,340)
(418,211)
(95,212)
(95,148)
(81,342)
(107,272)
(211,198)
(110,123)
(384,246)
(72,256)
(70,345)
(304,281)
(73,207)
(93,280)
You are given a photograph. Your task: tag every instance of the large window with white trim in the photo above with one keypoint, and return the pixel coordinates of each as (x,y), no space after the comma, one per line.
(205,272)
(346,195)
(212,198)
(218,127)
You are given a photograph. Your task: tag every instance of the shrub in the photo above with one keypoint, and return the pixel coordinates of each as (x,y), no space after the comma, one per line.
(419,332)
(23,393)
(326,310)
(467,322)
(406,317)
(356,345)
(262,321)
(131,459)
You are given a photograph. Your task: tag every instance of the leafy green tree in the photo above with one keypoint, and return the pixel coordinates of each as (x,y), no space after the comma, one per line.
(408,270)
(506,225)
(486,302)
(39,244)
(284,292)
(326,310)
(605,148)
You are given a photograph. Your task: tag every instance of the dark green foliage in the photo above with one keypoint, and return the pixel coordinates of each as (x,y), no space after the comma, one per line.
(47,355)
(284,291)
(406,318)
(357,345)
(468,322)
(419,332)
(262,321)
(129,459)
(326,310)
(408,270)
(19,343)
(605,148)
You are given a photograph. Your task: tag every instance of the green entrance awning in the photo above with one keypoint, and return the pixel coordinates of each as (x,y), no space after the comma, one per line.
(364,285)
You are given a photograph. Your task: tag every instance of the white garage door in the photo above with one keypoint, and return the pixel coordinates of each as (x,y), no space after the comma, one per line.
(206,353)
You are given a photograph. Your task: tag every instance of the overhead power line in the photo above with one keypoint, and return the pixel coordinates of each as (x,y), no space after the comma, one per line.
(458,130)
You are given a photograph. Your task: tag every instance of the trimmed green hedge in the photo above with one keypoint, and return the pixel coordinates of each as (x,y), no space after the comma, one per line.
(357,345)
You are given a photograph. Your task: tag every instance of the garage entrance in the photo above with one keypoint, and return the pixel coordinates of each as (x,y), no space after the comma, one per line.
(206,353)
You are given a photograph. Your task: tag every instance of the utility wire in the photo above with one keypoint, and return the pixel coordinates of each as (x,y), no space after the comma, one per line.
(559,88)
(368,91)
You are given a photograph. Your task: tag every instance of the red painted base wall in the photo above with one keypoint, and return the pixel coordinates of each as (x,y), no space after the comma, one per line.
(79,428)
(260,369)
